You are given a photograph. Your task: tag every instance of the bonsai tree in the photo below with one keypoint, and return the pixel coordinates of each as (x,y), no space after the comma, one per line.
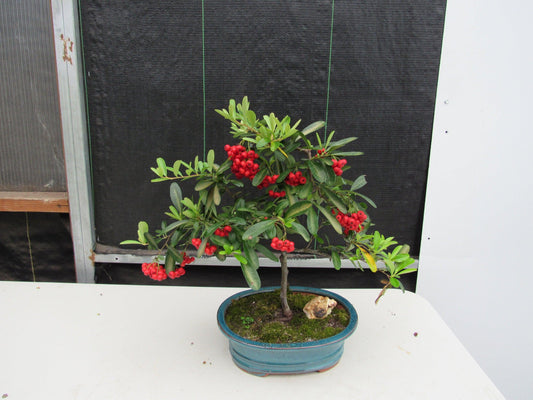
(277,183)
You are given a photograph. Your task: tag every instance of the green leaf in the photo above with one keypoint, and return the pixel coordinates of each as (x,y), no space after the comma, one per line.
(297,208)
(151,241)
(315,126)
(318,170)
(211,230)
(237,221)
(307,141)
(216,195)
(177,256)
(347,153)
(175,225)
(329,139)
(271,232)
(251,256)
(257,229)
(262,143)
(359,183)
(336,259)
(258,178)
(331,219)
(336,200)
(369,201)
(251,140)
(394,282)
(312,221)
(210,158)
(130,242)
(224,167)
(142,228)
(407,271)
(305,190)
(176,168)
(162,166)
(188,203)
(330,180)
(219,241)
(300,230)
(251,276)
(176,195)
(170,262)
(220,257)
(405,249)
(201,248)
(342,142)
(209,201)
(266,252)
(240,258)
(201,185)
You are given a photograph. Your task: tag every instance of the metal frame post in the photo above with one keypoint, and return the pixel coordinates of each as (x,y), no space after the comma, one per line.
(68,52)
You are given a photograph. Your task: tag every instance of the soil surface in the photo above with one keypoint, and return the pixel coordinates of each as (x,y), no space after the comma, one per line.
(259,317)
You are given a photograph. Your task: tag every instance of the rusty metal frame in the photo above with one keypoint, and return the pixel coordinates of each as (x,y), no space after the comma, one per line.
(69,62)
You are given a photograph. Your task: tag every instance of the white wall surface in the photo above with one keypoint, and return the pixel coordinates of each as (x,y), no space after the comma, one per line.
(475,263)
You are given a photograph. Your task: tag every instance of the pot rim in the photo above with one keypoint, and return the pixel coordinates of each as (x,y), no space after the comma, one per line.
(341,336)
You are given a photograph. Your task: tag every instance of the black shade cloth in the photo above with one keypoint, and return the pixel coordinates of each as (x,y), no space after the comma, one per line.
(145,68)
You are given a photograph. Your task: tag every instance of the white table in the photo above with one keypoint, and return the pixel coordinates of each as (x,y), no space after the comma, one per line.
(83,341)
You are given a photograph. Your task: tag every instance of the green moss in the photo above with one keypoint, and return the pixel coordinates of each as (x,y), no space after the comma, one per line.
(259,317)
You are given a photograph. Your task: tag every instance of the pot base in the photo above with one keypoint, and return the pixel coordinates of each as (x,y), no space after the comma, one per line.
(294,364)
(264,374)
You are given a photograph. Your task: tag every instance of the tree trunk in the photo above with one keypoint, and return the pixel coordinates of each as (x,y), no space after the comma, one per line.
(284,285)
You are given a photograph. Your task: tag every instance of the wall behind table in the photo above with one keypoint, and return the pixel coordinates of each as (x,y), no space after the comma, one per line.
(474,261)
(149,64)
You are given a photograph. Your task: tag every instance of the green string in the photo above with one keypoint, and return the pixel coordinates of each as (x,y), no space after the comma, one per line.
(29,246)
(329,76)
(86,93)
(329,67)
(203,74)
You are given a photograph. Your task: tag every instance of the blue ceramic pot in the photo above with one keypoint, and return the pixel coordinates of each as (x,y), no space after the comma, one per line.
(263,359)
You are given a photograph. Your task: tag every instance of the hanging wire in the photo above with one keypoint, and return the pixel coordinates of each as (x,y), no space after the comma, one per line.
(29,246)
(86,93)
(203,75)
(329,67)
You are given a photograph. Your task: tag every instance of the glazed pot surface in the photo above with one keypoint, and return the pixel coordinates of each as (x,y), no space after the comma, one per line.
(263,359)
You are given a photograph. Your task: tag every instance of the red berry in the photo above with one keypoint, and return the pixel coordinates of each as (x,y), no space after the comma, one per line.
(177,273)
(295,179)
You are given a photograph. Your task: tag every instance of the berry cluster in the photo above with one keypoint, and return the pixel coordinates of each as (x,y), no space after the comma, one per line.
(271,193)
(282,245)
(176,273)
(267,181)
(224,231)
(158,273)
(209,249)
(295,179)
(154,271)
(353,222)
(321,151)
(186,260)
(243,161)
(337,166)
